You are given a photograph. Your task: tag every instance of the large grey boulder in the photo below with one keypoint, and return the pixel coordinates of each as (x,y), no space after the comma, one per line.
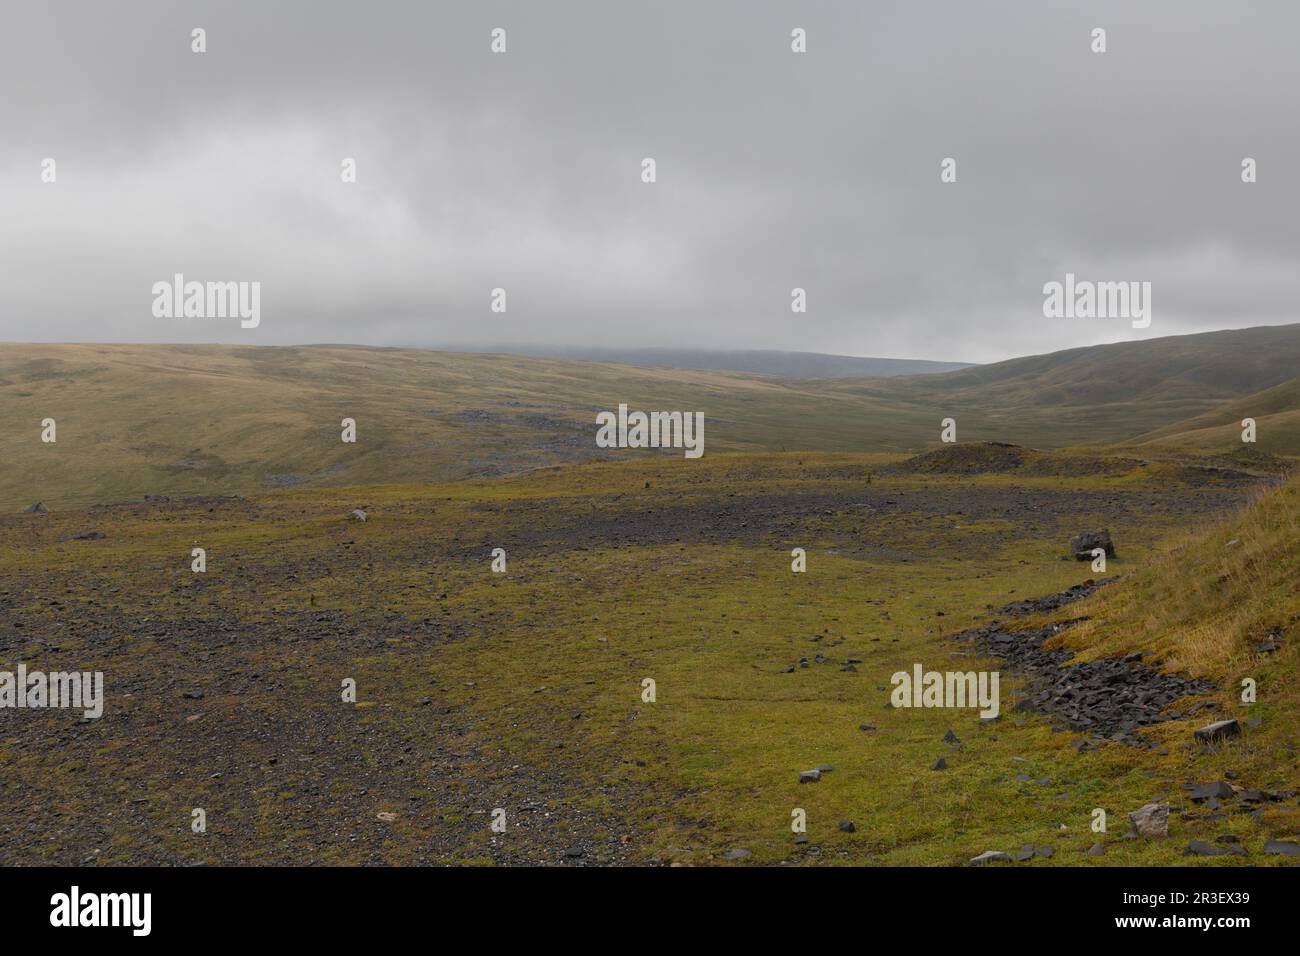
(1082,544)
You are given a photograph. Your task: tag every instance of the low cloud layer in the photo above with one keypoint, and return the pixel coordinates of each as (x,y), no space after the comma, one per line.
(522,171)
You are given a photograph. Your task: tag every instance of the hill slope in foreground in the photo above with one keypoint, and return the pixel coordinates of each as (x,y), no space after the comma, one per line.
(137,420)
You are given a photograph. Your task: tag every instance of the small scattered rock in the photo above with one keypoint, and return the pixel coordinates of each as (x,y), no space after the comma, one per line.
(1201,848)
(1151,821)
(1282,847)
(1207,791)
(1219,730)
(990,856)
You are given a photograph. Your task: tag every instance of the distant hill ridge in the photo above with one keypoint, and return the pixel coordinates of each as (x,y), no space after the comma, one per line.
(1205,366)
(758,361)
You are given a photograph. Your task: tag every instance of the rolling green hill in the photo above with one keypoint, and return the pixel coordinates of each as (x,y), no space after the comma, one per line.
(1276,412)
(136,420)
(1106,393)
(1206,367)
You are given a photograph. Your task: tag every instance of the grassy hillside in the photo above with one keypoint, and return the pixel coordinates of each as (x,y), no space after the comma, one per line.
(1209,366)
(136,420)
(1222,603)
(1107,393)
(1213,595)
(1277,419)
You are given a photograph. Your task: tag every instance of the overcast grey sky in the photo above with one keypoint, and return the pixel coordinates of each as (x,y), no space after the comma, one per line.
(775,170)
